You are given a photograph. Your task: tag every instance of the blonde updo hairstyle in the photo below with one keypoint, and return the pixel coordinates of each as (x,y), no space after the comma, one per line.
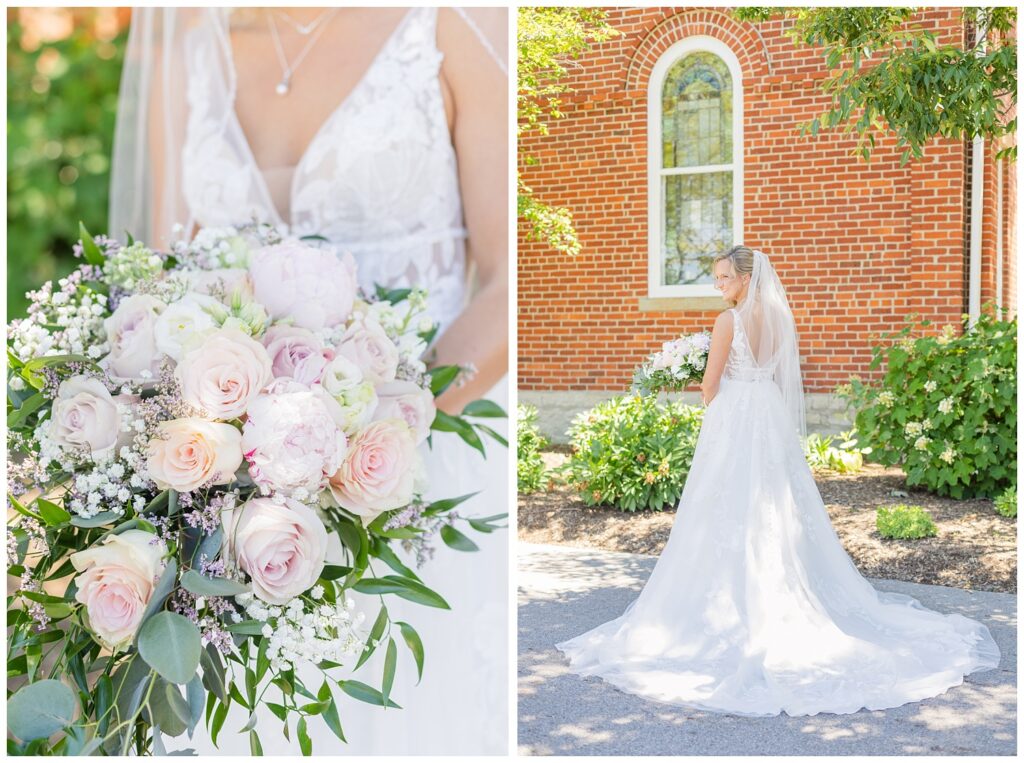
(742,260)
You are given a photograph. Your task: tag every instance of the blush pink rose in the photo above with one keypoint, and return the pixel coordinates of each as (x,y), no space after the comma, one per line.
(367,345)
(379,470)
(296,353)
(116,583)
(310,286)
(292,440)
(279,543)
(224,373)
(187,453)
(409,402)
(131,331)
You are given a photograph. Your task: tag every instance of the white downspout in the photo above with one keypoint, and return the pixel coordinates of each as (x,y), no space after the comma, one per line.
(999,233)
(977,197)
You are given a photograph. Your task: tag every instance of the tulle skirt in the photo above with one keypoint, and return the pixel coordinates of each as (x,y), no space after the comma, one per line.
(754,607)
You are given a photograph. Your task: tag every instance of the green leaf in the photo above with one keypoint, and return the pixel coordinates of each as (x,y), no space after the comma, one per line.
(412,590)
(20,415)
(254,743)
(375,633)
(446,504)
(201,585)
(457,540)
(92,253)
(219,715)
(51,513)
(412,640)
(170,644)
(40,709)
(330,716)
(305,744)
(441,378)
(390,661)
(484,409)
(365,693)
(213,672)
(163,589)
(334,572)
(247,628)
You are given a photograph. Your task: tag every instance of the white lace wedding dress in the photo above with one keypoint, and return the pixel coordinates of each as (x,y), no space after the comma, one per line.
(754,608)
(379,180)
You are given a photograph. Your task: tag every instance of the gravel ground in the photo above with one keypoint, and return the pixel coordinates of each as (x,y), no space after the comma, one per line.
(975,548)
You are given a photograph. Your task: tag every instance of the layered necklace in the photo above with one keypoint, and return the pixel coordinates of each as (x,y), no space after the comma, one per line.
(313,30)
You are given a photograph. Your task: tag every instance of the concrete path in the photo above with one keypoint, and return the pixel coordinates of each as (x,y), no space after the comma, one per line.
(565,591)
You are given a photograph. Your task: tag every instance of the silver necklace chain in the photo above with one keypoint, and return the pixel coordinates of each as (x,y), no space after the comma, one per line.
(303,29)
(288,69)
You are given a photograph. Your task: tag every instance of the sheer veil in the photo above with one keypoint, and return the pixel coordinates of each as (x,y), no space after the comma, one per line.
(146,187)
(767,321)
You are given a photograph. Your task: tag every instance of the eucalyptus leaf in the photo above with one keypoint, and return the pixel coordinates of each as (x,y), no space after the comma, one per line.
(163,589)
(96,520)
(170,644)
(196,696)
(40,709)
(201,585)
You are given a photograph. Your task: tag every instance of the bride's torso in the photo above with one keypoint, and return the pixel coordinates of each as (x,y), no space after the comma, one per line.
(740,364)
(378,178)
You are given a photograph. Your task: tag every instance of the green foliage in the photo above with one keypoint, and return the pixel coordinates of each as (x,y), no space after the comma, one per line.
(61,105)
(903,522)
(632,452)
(530,470)
(917,88)
(1006,503)
(847,458)
(945,409)
(547,40)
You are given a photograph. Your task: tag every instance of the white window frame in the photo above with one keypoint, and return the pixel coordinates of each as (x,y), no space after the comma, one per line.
(694,44)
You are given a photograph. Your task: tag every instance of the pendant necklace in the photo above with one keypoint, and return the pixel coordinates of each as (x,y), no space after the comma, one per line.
(288,69)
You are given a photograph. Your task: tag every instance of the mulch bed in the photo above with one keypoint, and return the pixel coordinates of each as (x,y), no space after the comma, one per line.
(975,548)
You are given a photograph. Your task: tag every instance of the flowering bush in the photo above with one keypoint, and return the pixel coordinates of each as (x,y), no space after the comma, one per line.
(185,430)
(945,409)
(903,522)
(680,362)
(530,470)
(632,452)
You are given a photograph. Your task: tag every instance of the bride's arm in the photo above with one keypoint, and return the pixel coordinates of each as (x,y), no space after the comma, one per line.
(479,93)
(721,338)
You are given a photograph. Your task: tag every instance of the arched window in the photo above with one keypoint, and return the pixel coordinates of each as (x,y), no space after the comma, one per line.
(695,121)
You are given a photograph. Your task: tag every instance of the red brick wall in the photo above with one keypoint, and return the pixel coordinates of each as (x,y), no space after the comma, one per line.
(859,246)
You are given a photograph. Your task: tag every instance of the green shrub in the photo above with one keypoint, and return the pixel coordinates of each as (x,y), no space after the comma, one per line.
(1006,504)
(61,104)
(847,458)
(530,470)
(904,522)
(945,410)
(632,452)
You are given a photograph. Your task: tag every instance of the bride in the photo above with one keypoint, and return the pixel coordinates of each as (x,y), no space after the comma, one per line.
(754,608)
(385,132)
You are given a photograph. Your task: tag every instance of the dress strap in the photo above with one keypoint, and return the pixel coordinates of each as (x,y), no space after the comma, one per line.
(482,38)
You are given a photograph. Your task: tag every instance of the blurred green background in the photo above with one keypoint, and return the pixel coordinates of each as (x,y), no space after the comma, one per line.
(63,70)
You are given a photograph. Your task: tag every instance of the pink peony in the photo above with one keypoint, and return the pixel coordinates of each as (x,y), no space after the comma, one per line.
(308,285)
(296,353)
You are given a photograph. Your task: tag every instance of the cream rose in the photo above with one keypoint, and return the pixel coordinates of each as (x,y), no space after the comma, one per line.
(356,398)
(379,470)
(279,543)
(85,416)
(224,373)
(131,332)
(116,583)
(187,453)
(367,345)
(409,402)
(308,285)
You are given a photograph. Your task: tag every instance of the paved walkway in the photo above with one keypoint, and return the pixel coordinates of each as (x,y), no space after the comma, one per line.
(565,591)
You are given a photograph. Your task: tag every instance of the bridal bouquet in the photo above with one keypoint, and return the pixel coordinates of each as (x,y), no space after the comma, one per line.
(185,431)
(680,362)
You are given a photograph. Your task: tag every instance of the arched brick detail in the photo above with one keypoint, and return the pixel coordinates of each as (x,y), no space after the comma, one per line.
(749,49)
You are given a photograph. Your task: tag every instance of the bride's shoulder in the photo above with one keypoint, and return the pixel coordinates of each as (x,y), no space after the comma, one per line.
(724,323)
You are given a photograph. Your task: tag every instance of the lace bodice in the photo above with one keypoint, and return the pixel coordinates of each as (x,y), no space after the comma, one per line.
(740,364)
(379,178)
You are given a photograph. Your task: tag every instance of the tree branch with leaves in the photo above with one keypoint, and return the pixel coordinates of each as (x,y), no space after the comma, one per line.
(549,41)
(919,89)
